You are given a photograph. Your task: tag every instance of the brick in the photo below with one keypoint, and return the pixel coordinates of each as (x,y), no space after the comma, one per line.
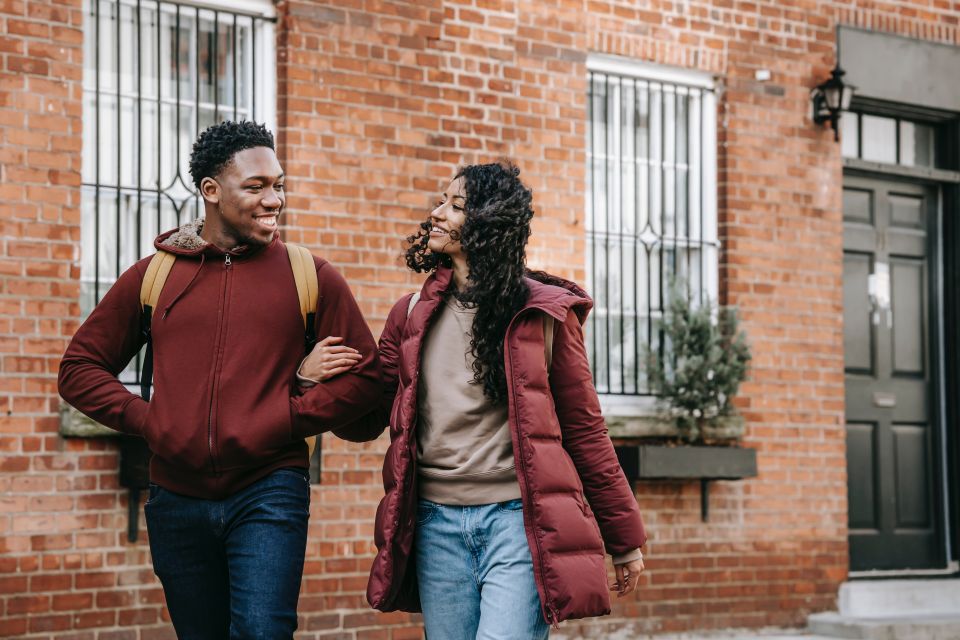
(72,601)
(19,64)
(28,605)
(50,582)
(13,627)
(95,619)
(132,617)
(40,624)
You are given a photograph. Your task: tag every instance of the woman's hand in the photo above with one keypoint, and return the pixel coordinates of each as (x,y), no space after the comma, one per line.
(628,574)
(328,358)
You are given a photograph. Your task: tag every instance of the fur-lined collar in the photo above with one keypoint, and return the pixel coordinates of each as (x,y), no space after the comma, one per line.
(187,237)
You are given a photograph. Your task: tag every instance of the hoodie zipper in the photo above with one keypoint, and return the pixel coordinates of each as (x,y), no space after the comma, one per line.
(221,321)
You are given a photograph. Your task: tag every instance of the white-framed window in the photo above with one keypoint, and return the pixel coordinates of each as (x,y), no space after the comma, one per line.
(156,73)
(651,210)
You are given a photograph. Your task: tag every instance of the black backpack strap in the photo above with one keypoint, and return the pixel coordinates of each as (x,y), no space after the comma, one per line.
(146,375)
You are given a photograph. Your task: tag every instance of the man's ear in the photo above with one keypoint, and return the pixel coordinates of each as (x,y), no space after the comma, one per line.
(210,190)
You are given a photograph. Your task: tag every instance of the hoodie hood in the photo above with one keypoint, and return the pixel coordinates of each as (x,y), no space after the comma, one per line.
(186,241)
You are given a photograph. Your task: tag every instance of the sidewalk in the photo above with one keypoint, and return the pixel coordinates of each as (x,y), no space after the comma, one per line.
(745,634)
(727,634)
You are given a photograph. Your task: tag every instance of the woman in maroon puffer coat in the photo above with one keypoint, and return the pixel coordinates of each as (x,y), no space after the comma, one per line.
(496,464)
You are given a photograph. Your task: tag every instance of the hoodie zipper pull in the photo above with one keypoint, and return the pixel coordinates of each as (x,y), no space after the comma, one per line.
(226,260)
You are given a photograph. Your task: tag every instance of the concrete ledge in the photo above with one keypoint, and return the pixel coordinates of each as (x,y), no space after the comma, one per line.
(640,427)
(653,426)
(74,424)
(835,625)
(898,598)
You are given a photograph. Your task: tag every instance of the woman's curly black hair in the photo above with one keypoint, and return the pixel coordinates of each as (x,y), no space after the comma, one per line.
(217,145)
(494,238)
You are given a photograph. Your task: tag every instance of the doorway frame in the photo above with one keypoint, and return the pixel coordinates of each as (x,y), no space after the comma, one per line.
(944,247)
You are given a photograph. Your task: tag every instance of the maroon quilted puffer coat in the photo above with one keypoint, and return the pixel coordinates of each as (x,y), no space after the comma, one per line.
(564,457)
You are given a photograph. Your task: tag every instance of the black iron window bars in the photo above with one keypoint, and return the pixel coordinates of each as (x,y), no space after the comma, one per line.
(156,73)
(650,216)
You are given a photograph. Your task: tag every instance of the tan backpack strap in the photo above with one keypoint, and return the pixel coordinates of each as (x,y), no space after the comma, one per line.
(155,278)
(548,326)
(305,275)
(308,291)
(413,302)
(150,288)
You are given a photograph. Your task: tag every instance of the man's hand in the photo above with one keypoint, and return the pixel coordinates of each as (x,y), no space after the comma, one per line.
(628,574)
(328,358)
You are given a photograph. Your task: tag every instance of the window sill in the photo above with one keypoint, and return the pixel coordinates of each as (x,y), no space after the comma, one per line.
(642,417)
(636,417)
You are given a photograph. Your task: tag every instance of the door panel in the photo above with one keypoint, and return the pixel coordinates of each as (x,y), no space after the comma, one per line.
(908,336)
(894,519)
(913,496)
(861,478)
(906,211)
(858,205)
(857,330)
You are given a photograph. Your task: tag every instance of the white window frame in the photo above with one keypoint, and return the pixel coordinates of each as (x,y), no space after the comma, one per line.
(623,405)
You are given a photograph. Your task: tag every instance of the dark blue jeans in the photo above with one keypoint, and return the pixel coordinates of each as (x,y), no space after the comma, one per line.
(232,568)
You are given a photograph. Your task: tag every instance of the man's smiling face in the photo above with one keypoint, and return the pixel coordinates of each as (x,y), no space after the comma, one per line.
(251,196)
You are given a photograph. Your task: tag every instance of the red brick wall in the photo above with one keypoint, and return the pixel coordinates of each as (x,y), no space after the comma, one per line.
(377,104)
(63,565)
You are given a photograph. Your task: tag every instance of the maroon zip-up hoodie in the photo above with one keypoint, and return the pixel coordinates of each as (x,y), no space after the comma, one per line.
(227,339)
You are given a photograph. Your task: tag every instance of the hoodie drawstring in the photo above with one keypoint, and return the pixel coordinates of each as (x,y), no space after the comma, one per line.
(166,310)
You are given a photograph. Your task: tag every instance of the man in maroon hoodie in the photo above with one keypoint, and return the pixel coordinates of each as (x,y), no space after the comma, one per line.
(229,499)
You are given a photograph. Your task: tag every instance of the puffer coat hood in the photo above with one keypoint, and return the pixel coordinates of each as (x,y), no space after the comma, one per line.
(566,465)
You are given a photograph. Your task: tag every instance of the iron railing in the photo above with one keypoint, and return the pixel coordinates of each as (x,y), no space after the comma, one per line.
(650,216)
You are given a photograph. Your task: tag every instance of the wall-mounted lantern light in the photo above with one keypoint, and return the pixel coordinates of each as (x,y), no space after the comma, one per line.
(830,98)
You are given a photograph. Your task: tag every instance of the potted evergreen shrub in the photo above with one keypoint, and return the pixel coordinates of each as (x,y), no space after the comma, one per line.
(704,361)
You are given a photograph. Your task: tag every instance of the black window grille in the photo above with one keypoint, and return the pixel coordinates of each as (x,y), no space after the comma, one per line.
(156,73)
(651,215)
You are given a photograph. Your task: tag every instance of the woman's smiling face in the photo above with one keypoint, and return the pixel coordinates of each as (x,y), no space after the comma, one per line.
(447,219)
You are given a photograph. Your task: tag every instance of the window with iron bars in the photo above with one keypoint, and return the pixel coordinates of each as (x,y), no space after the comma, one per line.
(156,73)
(650,210)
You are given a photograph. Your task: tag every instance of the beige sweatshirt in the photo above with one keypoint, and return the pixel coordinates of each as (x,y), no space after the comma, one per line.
(464,452)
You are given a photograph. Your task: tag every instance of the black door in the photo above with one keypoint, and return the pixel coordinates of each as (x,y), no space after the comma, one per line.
(893,455)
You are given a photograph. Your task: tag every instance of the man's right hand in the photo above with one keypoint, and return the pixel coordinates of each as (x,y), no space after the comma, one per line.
(328,358)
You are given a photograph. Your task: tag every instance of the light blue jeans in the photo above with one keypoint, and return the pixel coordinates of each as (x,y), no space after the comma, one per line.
(476,574)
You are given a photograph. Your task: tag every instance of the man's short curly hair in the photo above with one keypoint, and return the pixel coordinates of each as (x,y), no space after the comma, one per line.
(217,145)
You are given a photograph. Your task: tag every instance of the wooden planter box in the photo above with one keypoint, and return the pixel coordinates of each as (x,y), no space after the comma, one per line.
(689,462)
